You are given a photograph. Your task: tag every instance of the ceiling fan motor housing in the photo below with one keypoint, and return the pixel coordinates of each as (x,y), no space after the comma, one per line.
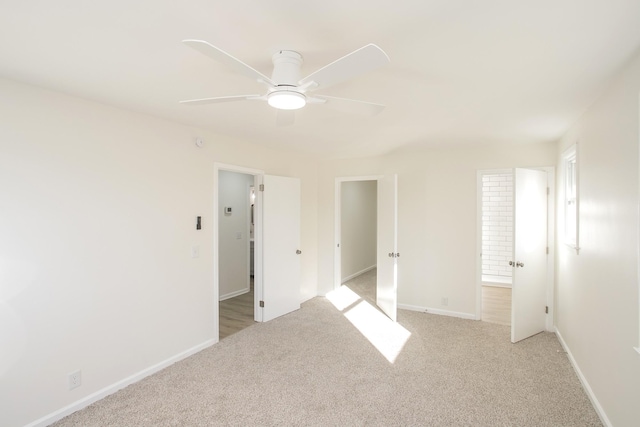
(286,68)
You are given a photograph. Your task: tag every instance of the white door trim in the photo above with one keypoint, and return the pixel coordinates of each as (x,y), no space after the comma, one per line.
(337,221)
(551,244)
(257,231)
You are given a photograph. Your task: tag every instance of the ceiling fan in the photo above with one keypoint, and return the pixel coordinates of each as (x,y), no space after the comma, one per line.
(286,90)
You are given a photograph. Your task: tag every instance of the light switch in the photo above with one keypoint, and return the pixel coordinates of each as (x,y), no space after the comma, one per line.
(195,251)
(238,235)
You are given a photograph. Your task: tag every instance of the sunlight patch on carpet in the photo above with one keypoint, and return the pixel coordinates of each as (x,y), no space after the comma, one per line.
(342,297)
(387,336)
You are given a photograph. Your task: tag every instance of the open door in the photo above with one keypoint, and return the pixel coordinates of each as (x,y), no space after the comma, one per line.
(529,263)
(281,246)
(387,258)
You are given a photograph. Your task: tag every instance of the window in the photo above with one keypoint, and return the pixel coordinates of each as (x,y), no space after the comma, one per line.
(571,202)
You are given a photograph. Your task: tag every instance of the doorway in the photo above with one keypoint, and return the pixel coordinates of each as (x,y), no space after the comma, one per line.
(277,251)
(515,263)
(358,236)
(497,245)
(236,272)
(385,246)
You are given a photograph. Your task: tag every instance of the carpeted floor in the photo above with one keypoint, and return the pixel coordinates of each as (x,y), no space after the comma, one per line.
(313,367)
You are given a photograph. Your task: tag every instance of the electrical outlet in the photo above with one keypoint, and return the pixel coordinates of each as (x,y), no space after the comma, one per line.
(75,379)
(445,301)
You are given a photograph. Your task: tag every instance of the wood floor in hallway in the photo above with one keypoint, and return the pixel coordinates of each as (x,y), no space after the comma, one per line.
(236,313)
(496,305)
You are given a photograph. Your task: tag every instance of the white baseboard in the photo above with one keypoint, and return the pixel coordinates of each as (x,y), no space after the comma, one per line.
(100,394)
(437,311)
(583,380)
(346,279)
(234,294)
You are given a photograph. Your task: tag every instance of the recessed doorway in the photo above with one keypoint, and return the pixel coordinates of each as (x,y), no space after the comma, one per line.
(385,244)
(515,263)
(358,229)
(497,245)
(236,200)
(276,236)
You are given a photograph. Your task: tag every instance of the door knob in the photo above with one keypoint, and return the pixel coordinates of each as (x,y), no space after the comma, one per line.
(511,263)
(519,264)
(390,254)
(298,251)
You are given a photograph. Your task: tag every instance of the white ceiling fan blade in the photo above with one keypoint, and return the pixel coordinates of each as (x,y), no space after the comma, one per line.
(285,118)
(220,99)
(365,59)
(316,100)
(352,106)
(231,61)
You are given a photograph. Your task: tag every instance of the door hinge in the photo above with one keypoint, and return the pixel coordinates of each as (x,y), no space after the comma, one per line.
(547,191)
(261,188)
(546,309)
(547,250)
(261,303)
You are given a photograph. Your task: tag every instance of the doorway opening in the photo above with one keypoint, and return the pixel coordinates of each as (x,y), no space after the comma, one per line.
(237,249)
(515,268)
(386,241)
(366,228)
(358,236)
(236,242)
(276,237)
(497,245)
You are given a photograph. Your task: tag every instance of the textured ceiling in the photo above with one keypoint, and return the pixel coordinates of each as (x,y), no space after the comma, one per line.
(461,71)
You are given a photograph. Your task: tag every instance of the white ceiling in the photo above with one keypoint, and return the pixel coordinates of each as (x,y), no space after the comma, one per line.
(461,72)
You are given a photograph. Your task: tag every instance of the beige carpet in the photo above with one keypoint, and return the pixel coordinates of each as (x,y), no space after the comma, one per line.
(313,367)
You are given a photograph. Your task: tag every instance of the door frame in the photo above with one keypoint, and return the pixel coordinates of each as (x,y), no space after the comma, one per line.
(337,250)
(551,214)
(258,177)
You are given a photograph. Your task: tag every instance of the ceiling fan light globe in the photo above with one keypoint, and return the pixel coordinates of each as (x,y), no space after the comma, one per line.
(286,100)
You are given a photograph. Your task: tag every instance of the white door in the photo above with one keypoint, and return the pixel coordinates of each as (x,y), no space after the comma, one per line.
(281,244)
(529,263)
(387,259)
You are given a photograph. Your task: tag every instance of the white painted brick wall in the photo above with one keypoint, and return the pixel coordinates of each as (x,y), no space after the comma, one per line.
(497,224)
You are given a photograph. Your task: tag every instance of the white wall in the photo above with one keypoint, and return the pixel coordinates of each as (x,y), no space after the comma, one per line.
(437,197)
(597,289)
(97,220)
(358,210)
(234,251)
